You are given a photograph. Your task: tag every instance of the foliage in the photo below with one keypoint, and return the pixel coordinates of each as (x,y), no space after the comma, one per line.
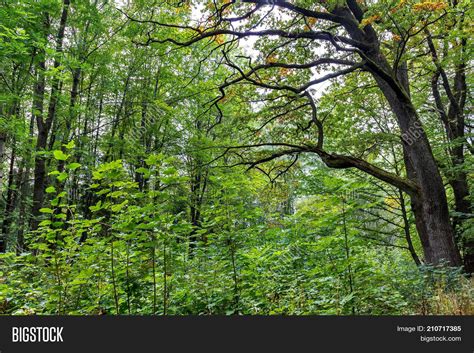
(160,158)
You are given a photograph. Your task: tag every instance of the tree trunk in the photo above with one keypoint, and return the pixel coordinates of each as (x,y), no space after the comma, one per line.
(454,124)
(406,229)
(429,203)
(38,110)
(3,137)
(44,126)
(430,206)
(10,202)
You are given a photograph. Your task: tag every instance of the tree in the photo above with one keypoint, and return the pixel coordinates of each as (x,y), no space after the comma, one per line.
(44,123)
(254,159)
(348,36)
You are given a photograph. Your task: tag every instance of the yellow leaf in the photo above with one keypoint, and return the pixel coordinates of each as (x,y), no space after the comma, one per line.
(400,4)
(284,71)
(369,20)
(430,6)
(271,59)
(219,39)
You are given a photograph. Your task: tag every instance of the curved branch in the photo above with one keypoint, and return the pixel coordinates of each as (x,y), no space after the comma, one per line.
(296,90)
(335,161)
(338,161)
(299,10)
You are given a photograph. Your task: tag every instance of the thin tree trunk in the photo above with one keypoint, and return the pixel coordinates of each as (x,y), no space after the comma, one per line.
(347,252)
(10,202)
(3,138)
(44,126)
(406,229)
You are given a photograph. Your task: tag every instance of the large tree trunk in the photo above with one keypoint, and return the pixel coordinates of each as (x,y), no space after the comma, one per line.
(462,205)
(429,203)
(454,124)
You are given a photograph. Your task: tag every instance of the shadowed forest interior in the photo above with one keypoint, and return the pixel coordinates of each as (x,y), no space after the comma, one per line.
(165,157)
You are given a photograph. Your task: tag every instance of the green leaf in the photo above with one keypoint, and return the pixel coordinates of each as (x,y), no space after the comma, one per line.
(62,176)
(73,166)
(70,145)
(60,155)
(116,208)
(97,175)
(50,190)
(97,207)
(116,194)
(46,210)
(46,222)
(142,170)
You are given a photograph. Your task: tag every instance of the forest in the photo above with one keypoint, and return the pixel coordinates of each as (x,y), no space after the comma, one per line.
(236,157)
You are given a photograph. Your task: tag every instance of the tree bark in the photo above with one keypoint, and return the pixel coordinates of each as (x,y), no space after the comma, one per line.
(10,202)
(44,125)
(430,205)
(454,124)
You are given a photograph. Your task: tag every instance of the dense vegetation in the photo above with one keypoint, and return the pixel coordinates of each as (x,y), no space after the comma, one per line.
(236,157)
